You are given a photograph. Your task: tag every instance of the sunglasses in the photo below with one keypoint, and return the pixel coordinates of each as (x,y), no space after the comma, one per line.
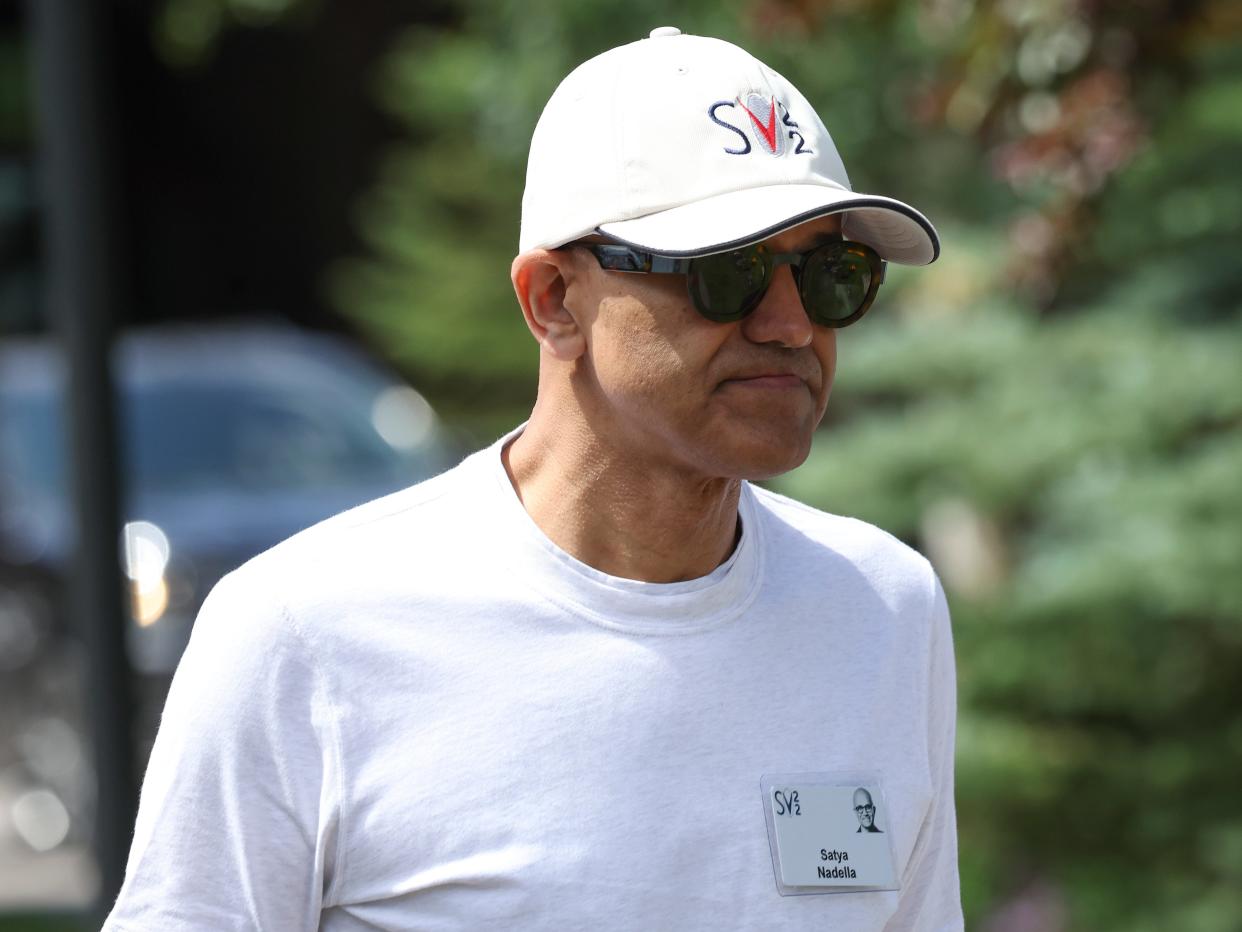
(837,281)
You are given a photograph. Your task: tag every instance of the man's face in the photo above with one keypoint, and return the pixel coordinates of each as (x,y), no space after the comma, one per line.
(865,810)
(662,383)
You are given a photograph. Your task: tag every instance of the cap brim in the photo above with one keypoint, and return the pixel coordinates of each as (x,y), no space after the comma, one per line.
(895,230)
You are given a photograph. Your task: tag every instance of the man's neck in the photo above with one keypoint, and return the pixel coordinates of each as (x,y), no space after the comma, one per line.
(645,521)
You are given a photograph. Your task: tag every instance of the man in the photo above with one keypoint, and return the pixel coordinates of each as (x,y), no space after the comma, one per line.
(544,690)
(864,809)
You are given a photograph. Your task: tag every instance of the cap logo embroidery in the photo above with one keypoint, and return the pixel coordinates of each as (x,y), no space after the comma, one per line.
(770,123)
(765,130)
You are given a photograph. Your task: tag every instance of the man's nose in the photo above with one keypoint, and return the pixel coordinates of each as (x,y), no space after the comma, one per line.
(780,317)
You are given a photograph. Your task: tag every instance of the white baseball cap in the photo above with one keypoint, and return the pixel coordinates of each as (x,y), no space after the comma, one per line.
(685,145)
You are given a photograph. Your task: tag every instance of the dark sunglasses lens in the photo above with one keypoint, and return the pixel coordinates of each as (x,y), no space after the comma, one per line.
(836,282)
(728,285)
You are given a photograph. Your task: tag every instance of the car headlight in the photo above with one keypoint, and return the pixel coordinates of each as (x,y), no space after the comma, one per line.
(146,552)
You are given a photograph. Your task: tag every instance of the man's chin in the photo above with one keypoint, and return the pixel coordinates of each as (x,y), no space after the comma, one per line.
(766,460)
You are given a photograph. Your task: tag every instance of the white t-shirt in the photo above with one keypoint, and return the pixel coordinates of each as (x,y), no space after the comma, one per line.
(422,714)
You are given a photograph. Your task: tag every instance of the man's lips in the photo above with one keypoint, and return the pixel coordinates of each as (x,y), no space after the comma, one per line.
(772,380)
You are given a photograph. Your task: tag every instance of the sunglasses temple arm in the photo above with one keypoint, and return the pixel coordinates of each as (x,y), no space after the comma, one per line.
(627,259)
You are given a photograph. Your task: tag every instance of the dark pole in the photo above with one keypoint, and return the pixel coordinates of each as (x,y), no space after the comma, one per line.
(82,287)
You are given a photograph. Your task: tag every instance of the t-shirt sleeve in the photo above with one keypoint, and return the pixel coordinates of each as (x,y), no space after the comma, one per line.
(238,818)
(931,890)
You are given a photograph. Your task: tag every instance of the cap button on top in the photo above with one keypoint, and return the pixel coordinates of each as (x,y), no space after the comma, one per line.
(661,31)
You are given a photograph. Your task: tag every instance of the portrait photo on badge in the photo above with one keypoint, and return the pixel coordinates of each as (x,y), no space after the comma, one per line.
(864,809)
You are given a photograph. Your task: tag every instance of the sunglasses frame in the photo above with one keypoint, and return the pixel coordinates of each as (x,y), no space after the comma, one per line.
(615,257)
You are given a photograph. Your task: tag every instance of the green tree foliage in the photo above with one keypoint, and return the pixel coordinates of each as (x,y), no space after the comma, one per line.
(186,33)
(1051,411)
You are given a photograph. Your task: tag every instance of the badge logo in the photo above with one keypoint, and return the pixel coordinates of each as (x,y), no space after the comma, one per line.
(770,123)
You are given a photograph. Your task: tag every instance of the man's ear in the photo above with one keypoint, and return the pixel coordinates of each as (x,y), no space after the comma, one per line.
(540,279)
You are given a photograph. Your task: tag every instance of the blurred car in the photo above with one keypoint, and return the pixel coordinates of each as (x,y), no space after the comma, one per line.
(231,439)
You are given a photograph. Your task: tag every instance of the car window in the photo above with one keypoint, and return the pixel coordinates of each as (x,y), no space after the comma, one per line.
(31,457)
(193,436)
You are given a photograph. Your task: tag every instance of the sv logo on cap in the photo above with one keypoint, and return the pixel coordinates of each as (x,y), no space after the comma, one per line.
(769,121)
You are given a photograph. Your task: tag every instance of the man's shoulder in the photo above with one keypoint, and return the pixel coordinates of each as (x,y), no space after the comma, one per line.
(402,522)
(805,527)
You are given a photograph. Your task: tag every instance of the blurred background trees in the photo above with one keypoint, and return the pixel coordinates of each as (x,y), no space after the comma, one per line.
(1051,412)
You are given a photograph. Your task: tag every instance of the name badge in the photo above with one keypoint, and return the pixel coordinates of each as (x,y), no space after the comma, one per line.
(829,833)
